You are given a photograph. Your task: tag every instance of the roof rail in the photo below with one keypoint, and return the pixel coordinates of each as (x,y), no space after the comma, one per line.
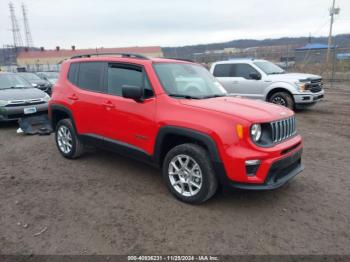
(130,55)
(180,59)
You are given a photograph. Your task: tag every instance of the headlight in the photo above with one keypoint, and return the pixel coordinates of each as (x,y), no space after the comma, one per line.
(46,98)
(3,102)
(301,86)
(255,132)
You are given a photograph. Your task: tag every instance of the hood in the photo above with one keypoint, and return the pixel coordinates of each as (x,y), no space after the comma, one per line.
(39,82)
(21,94)
(255,111)
(292,77)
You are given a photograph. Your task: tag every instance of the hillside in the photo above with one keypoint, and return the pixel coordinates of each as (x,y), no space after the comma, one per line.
(184,51)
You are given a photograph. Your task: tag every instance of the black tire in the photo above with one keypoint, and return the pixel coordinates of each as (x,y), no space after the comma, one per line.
(200,156)
(77,147)
(282,98)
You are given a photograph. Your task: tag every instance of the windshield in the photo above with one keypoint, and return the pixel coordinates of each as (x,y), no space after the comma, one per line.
(269,68)
(30,76)
(12,81)
(50,74)
(188,81)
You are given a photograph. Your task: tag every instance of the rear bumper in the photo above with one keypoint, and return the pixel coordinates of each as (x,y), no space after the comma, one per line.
(16,112)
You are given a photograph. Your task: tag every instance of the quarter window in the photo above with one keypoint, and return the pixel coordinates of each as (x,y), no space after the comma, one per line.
(72,74)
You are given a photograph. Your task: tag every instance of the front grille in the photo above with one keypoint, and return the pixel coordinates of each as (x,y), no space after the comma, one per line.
(315,85)
(283,129)
(26,102)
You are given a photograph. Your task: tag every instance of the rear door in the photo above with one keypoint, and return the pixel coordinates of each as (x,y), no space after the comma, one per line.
(86,96)
(243,84)
(235,77)
(127,121)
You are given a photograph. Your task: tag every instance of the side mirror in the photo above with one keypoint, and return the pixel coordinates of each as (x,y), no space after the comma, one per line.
(254,76)
(132,92)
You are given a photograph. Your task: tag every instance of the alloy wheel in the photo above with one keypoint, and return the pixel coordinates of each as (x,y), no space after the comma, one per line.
(279,101)
(64,139)
(185,175)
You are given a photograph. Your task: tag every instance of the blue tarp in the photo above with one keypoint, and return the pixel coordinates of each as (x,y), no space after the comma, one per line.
(314,47)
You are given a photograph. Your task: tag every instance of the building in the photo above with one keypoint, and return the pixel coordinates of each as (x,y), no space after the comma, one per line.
(47,60)
(313,53)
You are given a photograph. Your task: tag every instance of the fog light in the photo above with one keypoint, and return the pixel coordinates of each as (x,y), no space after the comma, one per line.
(252,166)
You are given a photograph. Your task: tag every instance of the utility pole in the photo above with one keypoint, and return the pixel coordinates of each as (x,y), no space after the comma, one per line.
(17,39)
(28,35)
(332,12)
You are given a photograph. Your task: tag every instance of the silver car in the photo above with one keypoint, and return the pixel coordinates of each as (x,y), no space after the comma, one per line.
(261,79)
(18,98)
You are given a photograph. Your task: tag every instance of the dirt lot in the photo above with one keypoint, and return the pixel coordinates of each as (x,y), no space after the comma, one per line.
(106,204)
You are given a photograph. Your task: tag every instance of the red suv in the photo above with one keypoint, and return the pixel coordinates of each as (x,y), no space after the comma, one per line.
(175,115)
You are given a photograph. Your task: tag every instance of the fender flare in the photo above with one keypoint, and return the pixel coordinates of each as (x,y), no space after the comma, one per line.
(186,132)
(61,108)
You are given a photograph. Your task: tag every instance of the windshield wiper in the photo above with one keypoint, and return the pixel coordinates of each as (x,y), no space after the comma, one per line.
(212,96)
(183,96)
(276,73)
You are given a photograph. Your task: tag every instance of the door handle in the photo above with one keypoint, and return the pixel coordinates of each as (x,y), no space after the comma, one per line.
(109,104)
(73,97)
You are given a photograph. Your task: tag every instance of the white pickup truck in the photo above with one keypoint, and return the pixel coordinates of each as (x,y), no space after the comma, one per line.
(261,79)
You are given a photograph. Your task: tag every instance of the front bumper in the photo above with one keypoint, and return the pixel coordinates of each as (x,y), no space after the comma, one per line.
(278,165)
(17,112)
(308,98)
(280,173)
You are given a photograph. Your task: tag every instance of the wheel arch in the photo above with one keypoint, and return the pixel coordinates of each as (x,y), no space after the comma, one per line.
(276,90)
(170,136)
(59,112)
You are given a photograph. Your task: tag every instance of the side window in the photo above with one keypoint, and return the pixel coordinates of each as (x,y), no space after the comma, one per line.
(91,75)
(243,70)
(223,70)
(120,75)
(72,73)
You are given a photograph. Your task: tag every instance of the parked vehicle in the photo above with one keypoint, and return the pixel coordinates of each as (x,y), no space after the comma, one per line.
(18,98)
(175,115)
(37,82)
(48,76)
(260,79)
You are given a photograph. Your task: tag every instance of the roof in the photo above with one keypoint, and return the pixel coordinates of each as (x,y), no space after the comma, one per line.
(240,60)
(314,47)
(70,53)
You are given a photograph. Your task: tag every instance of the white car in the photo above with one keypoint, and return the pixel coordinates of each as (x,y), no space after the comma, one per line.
(261,79)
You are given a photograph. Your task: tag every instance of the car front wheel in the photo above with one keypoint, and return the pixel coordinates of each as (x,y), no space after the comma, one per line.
(188,173)
(283,99)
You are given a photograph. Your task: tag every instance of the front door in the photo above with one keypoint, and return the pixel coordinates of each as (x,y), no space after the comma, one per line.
(129,122)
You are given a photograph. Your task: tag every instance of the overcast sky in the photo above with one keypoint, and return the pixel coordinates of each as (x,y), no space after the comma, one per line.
(119,23)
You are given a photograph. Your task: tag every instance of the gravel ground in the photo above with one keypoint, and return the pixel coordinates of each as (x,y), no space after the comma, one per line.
(104,203)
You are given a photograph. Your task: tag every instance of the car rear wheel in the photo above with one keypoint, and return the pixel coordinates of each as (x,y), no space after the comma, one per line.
(188,173)
(283,99)
(67,141)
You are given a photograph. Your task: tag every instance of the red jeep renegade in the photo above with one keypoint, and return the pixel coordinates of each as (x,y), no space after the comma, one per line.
(175,115)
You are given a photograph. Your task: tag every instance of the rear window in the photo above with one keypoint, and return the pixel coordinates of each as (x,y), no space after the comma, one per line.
(223,70)
(90,76)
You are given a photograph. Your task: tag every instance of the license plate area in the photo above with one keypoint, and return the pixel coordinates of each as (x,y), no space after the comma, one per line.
(29,110)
